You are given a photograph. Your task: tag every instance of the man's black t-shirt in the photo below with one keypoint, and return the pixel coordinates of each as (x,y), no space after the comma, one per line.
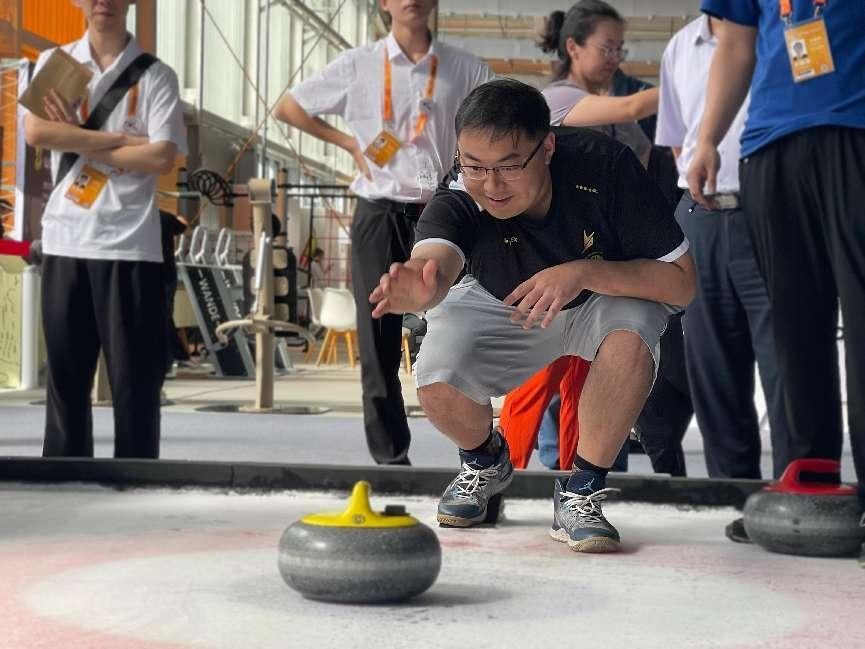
(604,206)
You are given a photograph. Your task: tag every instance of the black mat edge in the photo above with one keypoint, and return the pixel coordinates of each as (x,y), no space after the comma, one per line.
(318,477)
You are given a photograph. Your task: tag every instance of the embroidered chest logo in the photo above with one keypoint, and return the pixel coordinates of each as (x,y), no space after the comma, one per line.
(510,241)
(583,188)
(588,243)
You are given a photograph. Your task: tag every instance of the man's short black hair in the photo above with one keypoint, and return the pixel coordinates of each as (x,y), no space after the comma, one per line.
(504,107)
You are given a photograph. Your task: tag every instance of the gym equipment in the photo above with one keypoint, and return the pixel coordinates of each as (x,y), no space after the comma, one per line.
(359,555)
(817,519)
(212,303)
(260,319)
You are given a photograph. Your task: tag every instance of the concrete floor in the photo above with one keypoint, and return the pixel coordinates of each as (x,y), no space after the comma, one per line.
(85,567)
(333,438)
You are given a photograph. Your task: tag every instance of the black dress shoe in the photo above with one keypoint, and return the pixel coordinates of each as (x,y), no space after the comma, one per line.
(735,531)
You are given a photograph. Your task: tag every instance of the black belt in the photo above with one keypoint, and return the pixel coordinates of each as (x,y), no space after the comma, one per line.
(729,201)
(411,210)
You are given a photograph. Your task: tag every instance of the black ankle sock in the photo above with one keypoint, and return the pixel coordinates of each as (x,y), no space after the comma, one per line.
(491,445)
(581,464)
(586,477)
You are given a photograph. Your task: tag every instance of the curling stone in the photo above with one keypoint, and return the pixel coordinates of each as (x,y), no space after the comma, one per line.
(359,555)
(816,519)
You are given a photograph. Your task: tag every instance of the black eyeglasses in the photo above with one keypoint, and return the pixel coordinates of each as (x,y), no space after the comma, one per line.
(505,172)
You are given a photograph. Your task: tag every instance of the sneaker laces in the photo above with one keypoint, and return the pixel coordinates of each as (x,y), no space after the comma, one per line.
(586,507)
(471,480)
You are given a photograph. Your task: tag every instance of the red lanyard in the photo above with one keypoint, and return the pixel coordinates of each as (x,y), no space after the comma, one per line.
(786,9)
(131,104)
(387,103)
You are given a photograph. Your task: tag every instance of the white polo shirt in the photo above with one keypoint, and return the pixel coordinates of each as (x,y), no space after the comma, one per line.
(684,77)
(353,85)
(123,223)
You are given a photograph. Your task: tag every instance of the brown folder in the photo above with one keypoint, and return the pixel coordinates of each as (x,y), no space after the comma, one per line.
(62,73)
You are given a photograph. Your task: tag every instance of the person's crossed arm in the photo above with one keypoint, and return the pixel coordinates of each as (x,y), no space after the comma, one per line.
(63,132)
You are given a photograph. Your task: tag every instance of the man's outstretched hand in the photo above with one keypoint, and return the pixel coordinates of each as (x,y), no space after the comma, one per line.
(405,287)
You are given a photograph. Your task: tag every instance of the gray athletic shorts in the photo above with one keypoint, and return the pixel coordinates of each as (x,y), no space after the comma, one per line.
(472,345)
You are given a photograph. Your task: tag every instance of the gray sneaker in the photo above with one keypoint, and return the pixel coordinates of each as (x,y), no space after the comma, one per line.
(473,496)
(579,521)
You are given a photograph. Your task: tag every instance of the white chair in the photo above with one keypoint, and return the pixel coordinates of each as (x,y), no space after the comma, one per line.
(314,297)
(339,315)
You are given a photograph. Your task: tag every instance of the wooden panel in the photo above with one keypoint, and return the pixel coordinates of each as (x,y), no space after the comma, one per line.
(8,40)
(10,17)
(657,28)
(58,21)
(8,142)
(542,67)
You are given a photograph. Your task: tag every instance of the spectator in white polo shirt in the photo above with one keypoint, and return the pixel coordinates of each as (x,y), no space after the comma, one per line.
(729,323)
(398,97)
(102,271)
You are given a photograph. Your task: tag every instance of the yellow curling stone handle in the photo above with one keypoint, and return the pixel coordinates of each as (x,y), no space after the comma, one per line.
(360,514)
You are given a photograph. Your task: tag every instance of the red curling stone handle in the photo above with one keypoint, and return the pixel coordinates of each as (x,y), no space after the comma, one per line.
(791,482)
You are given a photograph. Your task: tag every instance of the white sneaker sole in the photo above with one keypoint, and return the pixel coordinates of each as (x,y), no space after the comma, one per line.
(593,544)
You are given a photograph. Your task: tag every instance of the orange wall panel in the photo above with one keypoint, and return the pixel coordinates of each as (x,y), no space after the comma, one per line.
(8,123)
(58,21)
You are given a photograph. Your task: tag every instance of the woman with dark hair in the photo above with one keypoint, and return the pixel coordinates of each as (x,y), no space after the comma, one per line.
(589,41)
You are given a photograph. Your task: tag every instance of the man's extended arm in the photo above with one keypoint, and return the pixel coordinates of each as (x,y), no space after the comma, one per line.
(420,283)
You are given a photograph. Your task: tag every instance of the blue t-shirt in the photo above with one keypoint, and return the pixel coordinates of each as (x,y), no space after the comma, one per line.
(779,105)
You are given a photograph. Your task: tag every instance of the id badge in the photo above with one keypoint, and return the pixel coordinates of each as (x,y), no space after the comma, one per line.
(427,178)
(808,50)
(86,187)
(133,125)
(383,148)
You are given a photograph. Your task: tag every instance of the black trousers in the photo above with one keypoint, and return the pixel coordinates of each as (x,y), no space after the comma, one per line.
(664,419)
(805,200)
(381,233)
(118,306)
(728,327)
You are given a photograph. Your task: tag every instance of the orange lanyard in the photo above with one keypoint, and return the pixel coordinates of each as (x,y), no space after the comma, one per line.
(786,9)
(131,104)
(387,107)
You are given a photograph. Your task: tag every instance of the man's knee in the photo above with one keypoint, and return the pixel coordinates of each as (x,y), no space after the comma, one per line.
(627,346)
(436,396)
